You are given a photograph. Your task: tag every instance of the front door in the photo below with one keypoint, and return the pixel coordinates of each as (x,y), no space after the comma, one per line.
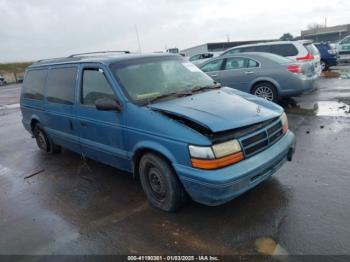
(101,132)
(239,72)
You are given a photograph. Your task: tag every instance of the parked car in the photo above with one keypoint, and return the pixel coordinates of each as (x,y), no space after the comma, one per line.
(299,51)
(20,79)
(265,75)
(161,118)
(203,57)
(343,48)
(2,81)
(328,55)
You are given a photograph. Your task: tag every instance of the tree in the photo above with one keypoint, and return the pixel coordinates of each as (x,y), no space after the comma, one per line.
(287,37)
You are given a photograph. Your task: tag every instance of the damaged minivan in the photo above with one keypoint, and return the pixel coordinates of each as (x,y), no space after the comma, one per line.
(160,118)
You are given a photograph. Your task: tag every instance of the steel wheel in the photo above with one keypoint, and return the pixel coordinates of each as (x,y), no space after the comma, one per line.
(265,92)
(41,140)
(157,183)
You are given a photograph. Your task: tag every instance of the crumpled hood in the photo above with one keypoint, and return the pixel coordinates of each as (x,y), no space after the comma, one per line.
(221,109)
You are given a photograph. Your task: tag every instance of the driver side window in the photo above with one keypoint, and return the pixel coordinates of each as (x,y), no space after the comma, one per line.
(94,86)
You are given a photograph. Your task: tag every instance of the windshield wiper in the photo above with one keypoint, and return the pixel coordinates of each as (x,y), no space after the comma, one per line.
(201,88)
(176,94)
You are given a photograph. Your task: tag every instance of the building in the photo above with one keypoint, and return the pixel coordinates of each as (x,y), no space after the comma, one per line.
(325,34)
(217,47)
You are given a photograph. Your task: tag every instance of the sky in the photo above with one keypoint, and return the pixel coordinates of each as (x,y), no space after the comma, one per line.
(37,29)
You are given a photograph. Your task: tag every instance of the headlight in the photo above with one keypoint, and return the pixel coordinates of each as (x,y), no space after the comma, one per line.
(284,121)
(226,148)
(217,156)
(201,152)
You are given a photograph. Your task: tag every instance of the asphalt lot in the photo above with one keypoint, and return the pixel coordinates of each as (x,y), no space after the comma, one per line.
(71,208)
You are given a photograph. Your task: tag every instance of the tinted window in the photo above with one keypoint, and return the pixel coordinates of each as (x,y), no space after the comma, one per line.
(34,84)
(284,50)
(236,63)
(95,86)
(258,48)
(61,85)
(212,66)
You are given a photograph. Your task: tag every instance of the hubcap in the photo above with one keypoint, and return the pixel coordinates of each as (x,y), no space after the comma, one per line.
(156,182)
(41,141)
(323,66)
(264,92)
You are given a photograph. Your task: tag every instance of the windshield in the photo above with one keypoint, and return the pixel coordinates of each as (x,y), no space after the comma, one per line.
(146,79)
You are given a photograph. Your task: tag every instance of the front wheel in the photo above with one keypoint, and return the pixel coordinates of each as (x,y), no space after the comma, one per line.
(160,183)
(266,91)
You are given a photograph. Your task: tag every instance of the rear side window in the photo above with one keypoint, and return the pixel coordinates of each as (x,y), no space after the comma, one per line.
(311,48)
(236,63)
(95,86)
(61,85)
(34,83)
(284,50)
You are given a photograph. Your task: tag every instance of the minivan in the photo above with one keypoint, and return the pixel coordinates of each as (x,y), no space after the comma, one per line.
(160,118)
(298,51)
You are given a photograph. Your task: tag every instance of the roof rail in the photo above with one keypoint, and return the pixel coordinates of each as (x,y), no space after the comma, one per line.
(101,52)
(49,59)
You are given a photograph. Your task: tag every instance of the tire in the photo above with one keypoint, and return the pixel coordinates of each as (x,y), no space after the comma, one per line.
(160,183)
(43,142)
(265,90)
(324,66)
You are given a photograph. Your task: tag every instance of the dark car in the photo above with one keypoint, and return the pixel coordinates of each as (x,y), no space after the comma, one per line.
(328,55)
(2,81)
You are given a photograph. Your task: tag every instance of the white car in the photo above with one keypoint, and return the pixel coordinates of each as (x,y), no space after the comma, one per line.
(199,59)
(300,51)
(343,48)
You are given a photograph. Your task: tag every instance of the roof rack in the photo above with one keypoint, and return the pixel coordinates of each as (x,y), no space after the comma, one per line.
(101,52)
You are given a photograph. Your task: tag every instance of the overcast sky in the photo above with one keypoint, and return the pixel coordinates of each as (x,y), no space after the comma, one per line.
(35,29)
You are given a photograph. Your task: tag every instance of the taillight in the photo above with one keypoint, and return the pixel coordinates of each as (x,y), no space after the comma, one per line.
(306,58)
(295,69)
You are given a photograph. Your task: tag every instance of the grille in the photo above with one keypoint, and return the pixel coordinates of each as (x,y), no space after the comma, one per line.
(262,139)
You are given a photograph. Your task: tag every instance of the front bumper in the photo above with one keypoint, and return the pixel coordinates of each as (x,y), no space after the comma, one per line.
(215,187)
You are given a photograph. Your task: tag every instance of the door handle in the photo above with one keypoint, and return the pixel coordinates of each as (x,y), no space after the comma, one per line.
(249,72)
(214,75)
(83,124)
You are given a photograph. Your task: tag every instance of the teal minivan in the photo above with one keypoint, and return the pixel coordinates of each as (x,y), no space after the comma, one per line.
(160,118)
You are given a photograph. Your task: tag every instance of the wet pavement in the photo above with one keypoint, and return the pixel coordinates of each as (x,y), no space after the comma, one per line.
(70,207)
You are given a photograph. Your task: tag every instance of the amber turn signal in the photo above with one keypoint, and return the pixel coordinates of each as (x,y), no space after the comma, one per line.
(217,163)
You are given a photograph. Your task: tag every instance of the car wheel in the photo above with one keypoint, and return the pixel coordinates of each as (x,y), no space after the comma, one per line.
(160,183)
(324,66)
(265,90)
(43,142)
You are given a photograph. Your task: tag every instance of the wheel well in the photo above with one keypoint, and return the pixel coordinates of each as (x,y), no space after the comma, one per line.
(33,123)
(263,81)
(137,157)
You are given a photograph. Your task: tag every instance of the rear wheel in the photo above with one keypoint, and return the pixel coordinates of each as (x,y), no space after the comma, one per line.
(265,90)
(43,142)
(160,184)
(324,66)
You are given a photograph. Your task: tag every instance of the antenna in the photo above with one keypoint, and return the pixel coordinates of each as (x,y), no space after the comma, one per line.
(138,39)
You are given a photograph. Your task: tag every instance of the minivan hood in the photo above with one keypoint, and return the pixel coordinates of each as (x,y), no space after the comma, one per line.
(218,110)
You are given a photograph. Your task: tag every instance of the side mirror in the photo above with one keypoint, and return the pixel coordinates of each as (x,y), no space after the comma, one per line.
(107,104)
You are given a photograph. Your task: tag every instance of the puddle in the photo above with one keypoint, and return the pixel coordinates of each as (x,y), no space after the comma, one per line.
(321,108)
(344,75)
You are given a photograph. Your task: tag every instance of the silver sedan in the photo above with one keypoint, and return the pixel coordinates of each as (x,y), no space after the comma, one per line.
(265,75)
